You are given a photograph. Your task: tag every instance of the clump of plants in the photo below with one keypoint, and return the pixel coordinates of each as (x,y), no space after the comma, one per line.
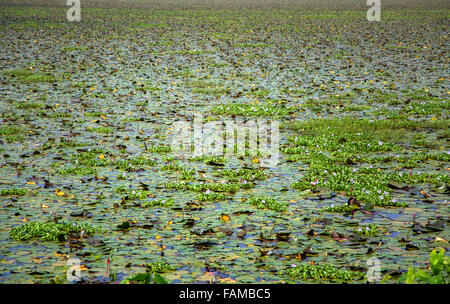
(10,130)
(103,130)
(211,196)
(136,195)
(322,272)
(267,203)
(30,76)
(29,105)
(77,171)
(247,109)
(338,208)
(67,143)
(159,149)
(214,186)
(13,191)
(50,231)
(209,159)
(187,174)
(145,278)
(365,184)
(244,174)
(172,167)
(160,267)
(438,272)
(161,203)
(132,162)
(369,230)
(11,133)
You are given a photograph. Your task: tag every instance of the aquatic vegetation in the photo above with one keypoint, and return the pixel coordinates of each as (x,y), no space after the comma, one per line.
(74,48)
(50,231)
(212,196)
(322,272)
(369,230)
(210,159)
(338,208)
(10,130)
(244,174)
(137,161)
(161,203)
(214,186)
(267,203)
(77,171)
(145,278)
(29,105)
(133,194)
(94,114)
(343,143)
(12,191)
(211,91)
(57,115)
(159,149)
(66,143)
(30,76)
(102,130)
(160,267)
(427,108)
(187,174)
(246,109)
(366,184)
(255,45)
(378,129)
(439,266)
(172,167)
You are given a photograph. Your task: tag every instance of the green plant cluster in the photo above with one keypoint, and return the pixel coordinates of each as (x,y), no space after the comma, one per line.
(366,184)
(244,109)
(244,174)
(49,231)
(267,203)
(77,171)
(369,230)
(322,272)
(13,191)
(129,194)
(159,149)
(145,278)
(213,196)
(161,203)
(439,266)
(338,208)
(214,186)
(160,267)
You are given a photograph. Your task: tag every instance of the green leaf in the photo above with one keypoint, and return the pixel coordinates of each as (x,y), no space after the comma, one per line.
(410,276)
(437,260)
(422,275)
(158,279)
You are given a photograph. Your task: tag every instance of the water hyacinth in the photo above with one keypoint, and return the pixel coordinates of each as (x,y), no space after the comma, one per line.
(322,272)
(267,203)
(50,231)
(370,230)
